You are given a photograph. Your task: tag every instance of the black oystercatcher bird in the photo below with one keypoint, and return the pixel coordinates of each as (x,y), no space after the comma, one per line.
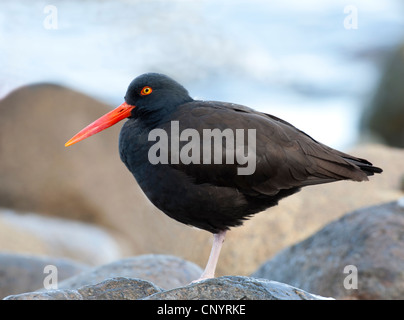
(214,164)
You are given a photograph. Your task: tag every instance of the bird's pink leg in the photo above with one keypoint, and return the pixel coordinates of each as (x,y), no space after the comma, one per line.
(209,272)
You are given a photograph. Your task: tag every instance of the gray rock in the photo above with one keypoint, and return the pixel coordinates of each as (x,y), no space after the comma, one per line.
(111,289)
(23,273)
(368,242)
(223,288)
(235,288)
(119,289)
(48,295)
(165,271)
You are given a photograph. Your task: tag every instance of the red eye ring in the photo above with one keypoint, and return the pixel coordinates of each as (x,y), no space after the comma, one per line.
(146,90)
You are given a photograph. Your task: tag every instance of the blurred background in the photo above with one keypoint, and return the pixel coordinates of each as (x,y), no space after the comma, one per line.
(334,69)
(306,61)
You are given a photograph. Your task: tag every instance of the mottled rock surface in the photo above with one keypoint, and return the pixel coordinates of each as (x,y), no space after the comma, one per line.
(223,288)
(367,242)
(111,289)
(235,288)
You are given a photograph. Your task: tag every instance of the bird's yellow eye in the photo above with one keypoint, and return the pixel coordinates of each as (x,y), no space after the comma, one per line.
(145,91)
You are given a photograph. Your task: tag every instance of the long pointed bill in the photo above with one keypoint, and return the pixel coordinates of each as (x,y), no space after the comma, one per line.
(106,121)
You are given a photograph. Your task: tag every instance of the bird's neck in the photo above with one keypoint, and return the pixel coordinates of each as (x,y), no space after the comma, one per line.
(149,118)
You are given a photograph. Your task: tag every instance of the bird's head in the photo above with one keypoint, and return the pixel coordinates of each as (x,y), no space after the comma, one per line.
(149,93)
(152,92)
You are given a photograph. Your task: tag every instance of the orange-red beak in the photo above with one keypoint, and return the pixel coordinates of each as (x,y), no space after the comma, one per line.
(106,121)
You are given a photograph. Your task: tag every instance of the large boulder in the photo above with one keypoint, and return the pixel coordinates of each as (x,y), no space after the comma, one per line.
(359,256)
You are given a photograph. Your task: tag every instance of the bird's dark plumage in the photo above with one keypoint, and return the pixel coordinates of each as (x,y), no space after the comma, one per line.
(213,196)
(256,160)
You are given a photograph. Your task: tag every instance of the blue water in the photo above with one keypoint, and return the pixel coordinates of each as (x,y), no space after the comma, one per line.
(290,58)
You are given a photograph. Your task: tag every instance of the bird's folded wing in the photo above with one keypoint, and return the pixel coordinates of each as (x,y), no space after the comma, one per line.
(285,157)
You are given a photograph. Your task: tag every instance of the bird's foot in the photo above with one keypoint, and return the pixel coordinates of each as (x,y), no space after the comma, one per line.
(203,277)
